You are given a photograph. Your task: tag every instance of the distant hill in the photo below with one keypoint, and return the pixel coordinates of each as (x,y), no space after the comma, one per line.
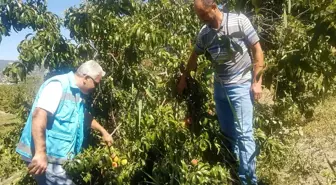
(4,63)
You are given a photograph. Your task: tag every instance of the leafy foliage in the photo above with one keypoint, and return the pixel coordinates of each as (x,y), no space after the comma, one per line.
(10,163)
(141,46)
(16,71)
(302,65)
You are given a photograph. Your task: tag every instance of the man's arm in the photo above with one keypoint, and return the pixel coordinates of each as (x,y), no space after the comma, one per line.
(39,161)
(38,130)
(191,66)
(258,65)
(252,39)
(96,126)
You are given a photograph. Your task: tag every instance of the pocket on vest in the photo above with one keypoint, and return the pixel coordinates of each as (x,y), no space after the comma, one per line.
(66,114)
(58,144)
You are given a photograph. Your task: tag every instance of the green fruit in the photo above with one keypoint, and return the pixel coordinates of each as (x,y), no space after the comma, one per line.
(124,162)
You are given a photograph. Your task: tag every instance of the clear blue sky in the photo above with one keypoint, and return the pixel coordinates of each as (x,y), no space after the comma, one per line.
(9,44)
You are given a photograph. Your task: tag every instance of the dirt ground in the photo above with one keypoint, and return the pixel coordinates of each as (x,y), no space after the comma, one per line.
(315,150)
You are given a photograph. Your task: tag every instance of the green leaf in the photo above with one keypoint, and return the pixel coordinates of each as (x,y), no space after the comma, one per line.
(87,177)
(203,145)
(139,113)
(303,64)
(285,22)
(149,94)
(29,34)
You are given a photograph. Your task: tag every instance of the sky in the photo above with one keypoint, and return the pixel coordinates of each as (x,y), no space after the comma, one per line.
(8,45)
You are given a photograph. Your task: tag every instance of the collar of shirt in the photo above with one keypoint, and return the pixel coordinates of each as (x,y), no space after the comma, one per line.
(221,27)
(74,87)
(71,76)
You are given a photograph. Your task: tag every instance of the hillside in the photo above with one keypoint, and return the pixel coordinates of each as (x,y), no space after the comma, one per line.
(3,63)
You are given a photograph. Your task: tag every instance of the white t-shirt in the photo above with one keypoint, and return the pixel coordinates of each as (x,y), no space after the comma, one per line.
(49,100)
(50,97)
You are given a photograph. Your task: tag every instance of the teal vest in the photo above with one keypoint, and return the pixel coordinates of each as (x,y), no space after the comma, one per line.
(67,130)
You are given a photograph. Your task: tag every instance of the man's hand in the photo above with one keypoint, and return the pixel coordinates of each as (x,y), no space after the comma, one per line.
(38,164)
(107,138)
(191,66)
(256,90)
(181,85)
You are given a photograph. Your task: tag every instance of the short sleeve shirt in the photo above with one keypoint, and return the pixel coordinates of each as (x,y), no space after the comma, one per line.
(230,65)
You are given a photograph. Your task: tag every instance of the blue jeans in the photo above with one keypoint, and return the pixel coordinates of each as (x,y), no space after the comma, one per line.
(54,175)
(237,124)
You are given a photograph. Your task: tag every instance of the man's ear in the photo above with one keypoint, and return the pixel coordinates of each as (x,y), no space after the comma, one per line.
(85,78)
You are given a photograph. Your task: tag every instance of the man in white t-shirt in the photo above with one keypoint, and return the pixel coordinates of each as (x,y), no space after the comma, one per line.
(59,123)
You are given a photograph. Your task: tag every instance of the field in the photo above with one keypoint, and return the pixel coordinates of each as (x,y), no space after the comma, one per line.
(7,121)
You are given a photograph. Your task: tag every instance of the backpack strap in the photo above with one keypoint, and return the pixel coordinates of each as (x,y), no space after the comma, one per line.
(241,29)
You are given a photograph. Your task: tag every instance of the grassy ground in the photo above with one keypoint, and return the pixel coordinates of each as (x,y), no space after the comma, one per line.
(312,156)
(318,145)
(7,121)
(9,163)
